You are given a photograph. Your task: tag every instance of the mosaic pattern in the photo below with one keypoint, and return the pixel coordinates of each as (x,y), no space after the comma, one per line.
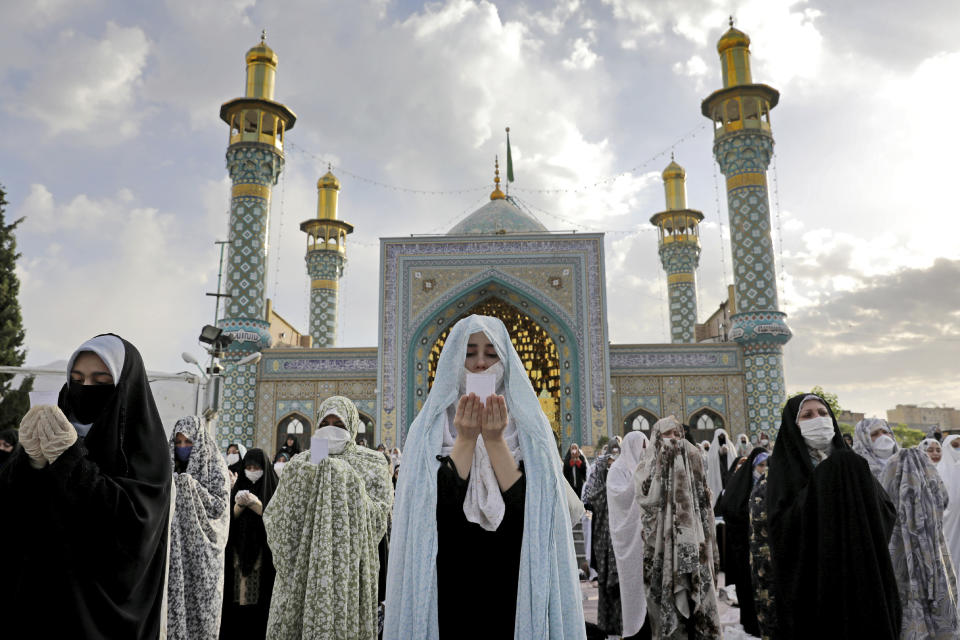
(759,327)
(694,403)
(681,258)
(715,358)
(629,404)
(328,266)
(305,408)
(257,166)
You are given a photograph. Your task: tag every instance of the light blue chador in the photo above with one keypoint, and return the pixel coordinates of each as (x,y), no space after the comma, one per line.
(548,593)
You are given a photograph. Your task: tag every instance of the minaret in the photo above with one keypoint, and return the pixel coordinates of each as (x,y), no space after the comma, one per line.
(326,255)
(679,252)
(743,146)
(254,159)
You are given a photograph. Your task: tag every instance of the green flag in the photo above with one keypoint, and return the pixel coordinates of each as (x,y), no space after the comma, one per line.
(509,159)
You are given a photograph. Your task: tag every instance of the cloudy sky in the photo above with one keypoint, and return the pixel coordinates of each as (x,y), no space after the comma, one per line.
(114,152)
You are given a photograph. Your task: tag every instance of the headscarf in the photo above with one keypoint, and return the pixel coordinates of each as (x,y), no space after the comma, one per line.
(743,445)
(549,600)
(715,474)
(829,529)
(863,443)
(198,536)
(926,443)
(323,525)
(680,547)
(114,490)
(735,508)
(247,535)
(110,349)
(921,561)
(11,437)
(933,432)
(626,531)
(949,469)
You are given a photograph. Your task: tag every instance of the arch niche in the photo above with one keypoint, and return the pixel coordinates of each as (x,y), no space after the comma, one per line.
(704,421)
(545,345)
(639,420)
(296,425)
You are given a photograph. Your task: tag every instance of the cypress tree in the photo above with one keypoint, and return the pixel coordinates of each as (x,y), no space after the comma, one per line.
(13,402)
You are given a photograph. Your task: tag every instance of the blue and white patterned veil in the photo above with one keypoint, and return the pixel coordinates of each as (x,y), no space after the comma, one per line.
(548,591)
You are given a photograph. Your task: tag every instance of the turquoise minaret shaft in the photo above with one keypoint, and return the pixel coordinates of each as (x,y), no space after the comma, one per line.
(679,253)
(254,160)
(326,256)
(743,146)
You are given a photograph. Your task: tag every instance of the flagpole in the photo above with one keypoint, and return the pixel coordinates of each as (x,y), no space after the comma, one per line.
(509,163)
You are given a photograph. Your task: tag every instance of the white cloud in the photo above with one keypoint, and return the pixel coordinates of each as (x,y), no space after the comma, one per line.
(581,57)
(88,85)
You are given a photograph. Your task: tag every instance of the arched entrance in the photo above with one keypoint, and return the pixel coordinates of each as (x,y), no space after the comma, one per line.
(367,430)
(704,422)
(536,349)
(543,340)
(639,420)
(298,427)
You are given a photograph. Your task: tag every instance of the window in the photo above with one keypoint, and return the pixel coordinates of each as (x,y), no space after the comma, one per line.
(638,420)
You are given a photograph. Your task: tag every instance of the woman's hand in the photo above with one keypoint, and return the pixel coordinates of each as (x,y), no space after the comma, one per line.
(494,418)
(468,420)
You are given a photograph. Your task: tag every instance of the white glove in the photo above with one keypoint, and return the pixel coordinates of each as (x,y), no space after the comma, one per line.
(56,433)
(30,437)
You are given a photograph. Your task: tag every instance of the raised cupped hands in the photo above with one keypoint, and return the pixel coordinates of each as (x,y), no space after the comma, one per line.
(468,420)
(494,418)
(45,433)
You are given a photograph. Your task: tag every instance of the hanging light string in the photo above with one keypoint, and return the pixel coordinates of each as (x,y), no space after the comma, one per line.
(342,171)
(278,249)
(723,251)
(639,168)
(776,205)
(579,225)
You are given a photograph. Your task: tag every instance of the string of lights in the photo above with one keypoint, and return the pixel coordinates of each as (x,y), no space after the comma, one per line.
(638,168)
(776,205)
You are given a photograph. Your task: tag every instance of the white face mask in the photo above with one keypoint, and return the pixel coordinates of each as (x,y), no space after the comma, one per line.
(338,437)
(253,476)
(233,458)
(884,445)
(278,467)
(818,432)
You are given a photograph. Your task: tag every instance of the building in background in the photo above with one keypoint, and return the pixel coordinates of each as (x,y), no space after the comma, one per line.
(924,417)
(548,287)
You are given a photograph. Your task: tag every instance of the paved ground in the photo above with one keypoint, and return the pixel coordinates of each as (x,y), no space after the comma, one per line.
(729,615)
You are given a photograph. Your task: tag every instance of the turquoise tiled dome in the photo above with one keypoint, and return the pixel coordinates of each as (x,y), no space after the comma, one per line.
(498,216)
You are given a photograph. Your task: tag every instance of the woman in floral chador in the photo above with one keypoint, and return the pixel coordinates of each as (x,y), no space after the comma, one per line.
(921,560)
(198,532)
(680,561)
(323,526)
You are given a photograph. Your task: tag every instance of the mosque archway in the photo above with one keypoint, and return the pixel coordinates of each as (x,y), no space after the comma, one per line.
(367,430)
(294,425)
(704,422)
(545,345)
(639,420)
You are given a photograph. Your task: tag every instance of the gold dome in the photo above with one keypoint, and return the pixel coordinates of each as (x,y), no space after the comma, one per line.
(733,38)
(262,53)
(674,170)
(328,181)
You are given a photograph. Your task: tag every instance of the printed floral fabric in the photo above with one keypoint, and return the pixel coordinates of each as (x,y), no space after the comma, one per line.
(609,617)
(323,526)
(680,548)
(918,549)
(198,535)
(761,565)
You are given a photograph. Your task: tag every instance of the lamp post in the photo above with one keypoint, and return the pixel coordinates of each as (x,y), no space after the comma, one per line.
(218,341)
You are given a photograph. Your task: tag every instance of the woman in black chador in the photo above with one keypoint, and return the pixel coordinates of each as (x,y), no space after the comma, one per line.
(86,504)
(821,523)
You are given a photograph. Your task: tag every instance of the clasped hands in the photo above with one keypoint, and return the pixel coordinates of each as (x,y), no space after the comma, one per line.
(474,418)
(246,499)
(45,433)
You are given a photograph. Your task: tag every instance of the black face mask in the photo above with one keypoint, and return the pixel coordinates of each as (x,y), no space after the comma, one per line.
(722,439)
(88,401)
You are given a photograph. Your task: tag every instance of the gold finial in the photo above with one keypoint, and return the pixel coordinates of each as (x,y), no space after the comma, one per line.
(263,36)
(731,22)
(497,194)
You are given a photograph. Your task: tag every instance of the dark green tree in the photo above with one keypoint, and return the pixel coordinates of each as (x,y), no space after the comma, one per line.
(13,402)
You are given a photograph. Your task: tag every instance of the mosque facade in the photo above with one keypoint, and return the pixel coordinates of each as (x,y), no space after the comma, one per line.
(549,288)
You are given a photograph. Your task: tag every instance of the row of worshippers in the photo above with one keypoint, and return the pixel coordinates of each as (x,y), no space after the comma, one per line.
(102,506)
(98,520)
